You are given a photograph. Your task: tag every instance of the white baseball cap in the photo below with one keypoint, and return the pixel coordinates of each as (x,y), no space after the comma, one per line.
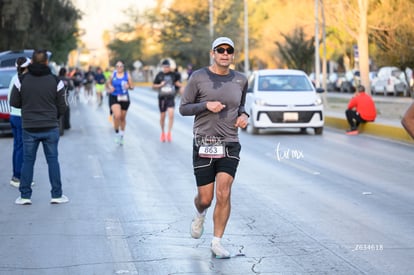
(222,40)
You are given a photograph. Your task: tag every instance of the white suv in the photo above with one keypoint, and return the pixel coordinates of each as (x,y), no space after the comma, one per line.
(390,80)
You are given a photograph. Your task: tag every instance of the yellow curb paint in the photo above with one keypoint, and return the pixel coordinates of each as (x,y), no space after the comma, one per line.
(143,84)
(372,128)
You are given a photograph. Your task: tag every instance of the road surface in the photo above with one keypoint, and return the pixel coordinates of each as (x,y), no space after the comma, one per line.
(301,203)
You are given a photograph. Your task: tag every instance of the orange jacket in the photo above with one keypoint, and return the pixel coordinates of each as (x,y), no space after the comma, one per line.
(364,105)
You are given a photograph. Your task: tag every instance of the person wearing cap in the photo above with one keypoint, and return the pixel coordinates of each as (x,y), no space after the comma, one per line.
(41,96)
(361,108)
(166,82)
(215,95)
(22,63)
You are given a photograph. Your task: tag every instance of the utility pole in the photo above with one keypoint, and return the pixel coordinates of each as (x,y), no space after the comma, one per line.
(246,39)
(317,65)
(324,61)
(211,25)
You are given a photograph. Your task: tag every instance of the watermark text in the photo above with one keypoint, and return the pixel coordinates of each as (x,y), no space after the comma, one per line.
(288,153)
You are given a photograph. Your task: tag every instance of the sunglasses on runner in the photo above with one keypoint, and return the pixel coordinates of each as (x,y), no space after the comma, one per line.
(221,50)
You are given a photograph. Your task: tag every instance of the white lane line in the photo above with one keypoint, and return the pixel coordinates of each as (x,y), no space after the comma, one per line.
(123,261)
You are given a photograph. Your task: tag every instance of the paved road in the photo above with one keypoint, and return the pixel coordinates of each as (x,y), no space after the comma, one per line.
(302,204)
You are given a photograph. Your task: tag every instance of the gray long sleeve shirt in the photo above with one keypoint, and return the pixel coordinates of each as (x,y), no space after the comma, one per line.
(204,86)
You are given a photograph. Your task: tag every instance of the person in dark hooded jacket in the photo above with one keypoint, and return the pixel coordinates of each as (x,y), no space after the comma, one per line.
(41,97)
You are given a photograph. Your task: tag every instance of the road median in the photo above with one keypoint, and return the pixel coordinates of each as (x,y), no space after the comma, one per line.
(380,128)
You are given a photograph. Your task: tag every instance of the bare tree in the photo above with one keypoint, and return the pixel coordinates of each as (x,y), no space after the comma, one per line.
(381,29)
(363,55)
(353,19)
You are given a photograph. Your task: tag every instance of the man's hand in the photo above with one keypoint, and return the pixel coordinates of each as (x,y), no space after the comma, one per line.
(241,121)
(215,106)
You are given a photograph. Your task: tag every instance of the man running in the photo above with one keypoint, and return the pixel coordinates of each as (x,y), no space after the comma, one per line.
(216,96)
(167,82)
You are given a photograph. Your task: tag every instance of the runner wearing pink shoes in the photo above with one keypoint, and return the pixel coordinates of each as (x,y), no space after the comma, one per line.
(166,82)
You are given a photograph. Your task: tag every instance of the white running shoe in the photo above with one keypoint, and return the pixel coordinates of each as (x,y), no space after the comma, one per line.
(219,251)
(60,200)
(15,182)
(197,226)
(22,201)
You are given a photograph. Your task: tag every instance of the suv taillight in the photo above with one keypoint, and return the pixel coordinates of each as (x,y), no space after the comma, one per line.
(4,107)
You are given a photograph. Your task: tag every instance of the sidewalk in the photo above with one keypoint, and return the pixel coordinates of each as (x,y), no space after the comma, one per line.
(389,113)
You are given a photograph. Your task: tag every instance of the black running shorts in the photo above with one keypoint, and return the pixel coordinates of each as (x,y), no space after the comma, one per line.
(166,102)
(113,99)
(206,169)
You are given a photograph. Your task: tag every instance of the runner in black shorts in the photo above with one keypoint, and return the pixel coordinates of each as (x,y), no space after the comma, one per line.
(166,82)
(118,85)
(216,96)
(166,102)
(113,99)
(206,169)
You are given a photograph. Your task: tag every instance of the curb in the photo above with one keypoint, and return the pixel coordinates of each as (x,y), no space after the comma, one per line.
(143,84)
(372,128)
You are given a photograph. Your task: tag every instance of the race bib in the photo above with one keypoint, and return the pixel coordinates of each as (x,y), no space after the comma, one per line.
(212,151)
(122,97)
(167,90)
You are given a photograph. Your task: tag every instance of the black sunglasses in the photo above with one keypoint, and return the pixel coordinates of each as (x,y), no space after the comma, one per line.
(222,50)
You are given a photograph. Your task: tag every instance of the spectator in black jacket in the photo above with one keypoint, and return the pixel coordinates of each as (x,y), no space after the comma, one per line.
(41,97)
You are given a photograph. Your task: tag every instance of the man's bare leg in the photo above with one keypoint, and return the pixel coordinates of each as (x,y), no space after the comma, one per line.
(223,203)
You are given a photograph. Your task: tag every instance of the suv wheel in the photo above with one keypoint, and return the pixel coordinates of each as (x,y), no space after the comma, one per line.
(318,130)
